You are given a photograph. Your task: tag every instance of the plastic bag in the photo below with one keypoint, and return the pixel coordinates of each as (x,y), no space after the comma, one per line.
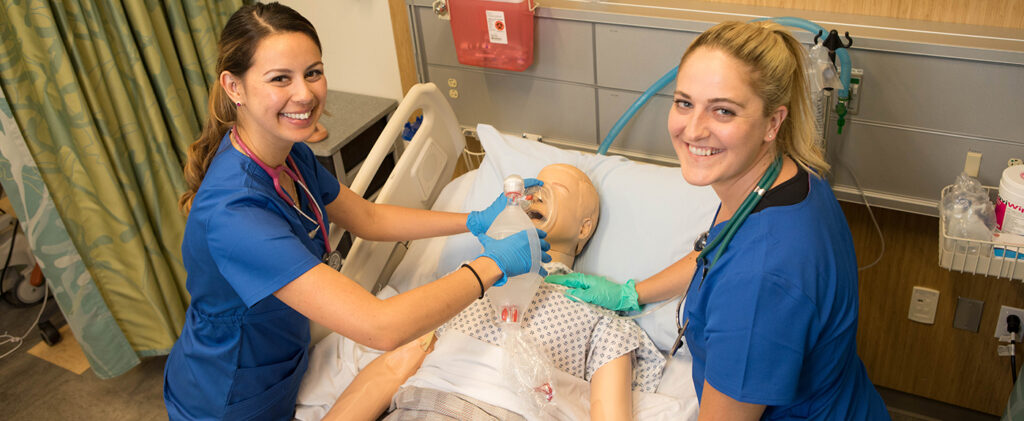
(528,369)
(821,75)
(968,211)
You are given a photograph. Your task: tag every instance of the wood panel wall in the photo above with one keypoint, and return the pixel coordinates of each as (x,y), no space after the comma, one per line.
(403,43)
(935,361)
(998,13)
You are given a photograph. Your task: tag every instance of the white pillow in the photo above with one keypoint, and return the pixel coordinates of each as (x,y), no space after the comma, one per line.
(650,216)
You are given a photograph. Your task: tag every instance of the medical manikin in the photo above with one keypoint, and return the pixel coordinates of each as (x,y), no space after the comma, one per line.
(459,377)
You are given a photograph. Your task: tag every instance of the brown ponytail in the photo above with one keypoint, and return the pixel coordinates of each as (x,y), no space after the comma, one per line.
(238,41)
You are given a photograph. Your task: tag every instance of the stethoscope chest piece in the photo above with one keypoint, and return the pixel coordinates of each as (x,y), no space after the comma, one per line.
(701,241)
(333,259)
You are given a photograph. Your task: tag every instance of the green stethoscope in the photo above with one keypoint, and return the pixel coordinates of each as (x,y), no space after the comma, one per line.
(722,240)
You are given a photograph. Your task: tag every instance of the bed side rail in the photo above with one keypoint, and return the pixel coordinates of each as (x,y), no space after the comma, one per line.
(424,168)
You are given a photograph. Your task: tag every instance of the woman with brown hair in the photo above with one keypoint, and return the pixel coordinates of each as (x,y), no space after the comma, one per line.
(255,244)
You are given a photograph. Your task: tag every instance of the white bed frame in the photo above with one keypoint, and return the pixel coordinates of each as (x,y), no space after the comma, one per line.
(425,166)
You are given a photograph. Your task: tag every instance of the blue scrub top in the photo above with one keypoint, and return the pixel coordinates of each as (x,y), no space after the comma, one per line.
(775,321)
(243,352)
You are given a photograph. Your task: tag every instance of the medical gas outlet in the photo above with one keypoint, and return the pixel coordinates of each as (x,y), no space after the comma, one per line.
(856,80)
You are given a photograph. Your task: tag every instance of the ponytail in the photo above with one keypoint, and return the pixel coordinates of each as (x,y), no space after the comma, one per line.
(236,47)
(220,116)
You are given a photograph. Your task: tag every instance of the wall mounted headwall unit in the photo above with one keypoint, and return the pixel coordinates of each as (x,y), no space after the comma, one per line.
(932,91)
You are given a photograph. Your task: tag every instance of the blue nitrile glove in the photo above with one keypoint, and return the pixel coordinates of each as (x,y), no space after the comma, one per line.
(479,222)
(512,253)
(598,290)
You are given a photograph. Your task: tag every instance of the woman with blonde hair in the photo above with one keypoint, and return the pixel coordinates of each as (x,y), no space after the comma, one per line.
(770,314)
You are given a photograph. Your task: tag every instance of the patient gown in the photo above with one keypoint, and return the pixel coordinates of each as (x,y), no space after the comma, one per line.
(577,338)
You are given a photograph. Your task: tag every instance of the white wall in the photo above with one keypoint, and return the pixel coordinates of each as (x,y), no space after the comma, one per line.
(358,45)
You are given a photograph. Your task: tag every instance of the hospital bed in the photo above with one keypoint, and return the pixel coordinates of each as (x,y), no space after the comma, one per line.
(650,218)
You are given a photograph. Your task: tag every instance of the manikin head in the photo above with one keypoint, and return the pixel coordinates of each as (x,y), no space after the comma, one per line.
(567,207)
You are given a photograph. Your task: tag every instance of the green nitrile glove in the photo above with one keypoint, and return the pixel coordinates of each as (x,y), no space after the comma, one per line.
(598,290)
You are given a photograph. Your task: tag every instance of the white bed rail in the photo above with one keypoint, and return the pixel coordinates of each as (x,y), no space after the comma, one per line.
(424,168)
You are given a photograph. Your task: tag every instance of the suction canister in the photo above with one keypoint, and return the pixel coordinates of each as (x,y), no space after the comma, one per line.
(1010,202)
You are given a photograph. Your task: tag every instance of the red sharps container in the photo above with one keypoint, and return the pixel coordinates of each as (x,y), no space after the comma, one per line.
(493,33)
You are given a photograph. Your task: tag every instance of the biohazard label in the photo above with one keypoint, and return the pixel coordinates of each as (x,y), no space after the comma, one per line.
(496,27)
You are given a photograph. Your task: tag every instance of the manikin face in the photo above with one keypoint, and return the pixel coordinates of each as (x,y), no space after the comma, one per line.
(283,93)
(566,207)
(717,122)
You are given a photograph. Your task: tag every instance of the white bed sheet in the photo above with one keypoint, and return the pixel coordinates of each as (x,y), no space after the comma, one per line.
(650,218)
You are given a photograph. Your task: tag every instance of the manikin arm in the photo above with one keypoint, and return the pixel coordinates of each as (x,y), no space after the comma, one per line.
(611,395)
(370,392)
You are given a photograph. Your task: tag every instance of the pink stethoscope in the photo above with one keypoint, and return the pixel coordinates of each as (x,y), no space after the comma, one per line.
(275,173)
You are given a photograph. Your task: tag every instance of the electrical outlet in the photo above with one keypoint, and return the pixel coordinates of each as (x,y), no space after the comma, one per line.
(1001,321)
(1004,350)
(972,163)
(856,83)
(923,303)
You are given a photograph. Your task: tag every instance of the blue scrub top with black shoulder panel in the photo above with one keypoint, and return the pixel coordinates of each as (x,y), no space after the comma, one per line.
(242,352)
(775,320)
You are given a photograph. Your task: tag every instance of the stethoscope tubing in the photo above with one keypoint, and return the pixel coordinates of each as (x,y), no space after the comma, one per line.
(721,241)
(296,175)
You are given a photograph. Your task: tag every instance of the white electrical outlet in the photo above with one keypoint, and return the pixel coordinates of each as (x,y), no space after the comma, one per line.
(923,303)
(972,163)
(1001,321)
(1004,350)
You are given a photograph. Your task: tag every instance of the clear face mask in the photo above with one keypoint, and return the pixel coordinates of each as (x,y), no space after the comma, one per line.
(540,205)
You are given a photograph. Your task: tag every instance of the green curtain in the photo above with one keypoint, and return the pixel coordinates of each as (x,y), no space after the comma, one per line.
(106,96)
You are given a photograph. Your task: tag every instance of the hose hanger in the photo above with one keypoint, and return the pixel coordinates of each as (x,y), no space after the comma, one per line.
(833,42)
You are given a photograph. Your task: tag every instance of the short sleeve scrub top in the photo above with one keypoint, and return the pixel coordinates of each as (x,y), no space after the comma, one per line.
(242,352)
(774,321)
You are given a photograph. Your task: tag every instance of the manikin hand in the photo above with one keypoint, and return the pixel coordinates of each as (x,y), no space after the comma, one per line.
(598,290)
(512,253)
(479,222)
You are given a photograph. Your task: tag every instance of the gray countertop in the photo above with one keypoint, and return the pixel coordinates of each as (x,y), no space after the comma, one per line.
(347,115)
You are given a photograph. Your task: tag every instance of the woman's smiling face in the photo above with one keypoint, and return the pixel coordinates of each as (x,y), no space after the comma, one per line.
(717,122)
(285,89)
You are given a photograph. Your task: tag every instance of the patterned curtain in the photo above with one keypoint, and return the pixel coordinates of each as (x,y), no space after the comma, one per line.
(102,99)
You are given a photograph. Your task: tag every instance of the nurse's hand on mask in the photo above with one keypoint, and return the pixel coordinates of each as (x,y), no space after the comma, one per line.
(598,290)
(479,222)
(512,253)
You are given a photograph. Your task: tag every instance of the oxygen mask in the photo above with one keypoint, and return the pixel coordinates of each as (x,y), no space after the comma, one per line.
(539,204)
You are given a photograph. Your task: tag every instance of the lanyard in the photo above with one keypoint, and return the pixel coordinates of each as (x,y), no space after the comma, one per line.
(275,174)
(722,240)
